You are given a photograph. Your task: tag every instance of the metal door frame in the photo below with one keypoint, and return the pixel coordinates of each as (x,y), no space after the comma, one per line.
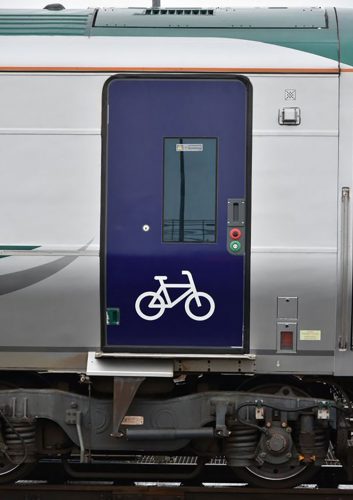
(103,219)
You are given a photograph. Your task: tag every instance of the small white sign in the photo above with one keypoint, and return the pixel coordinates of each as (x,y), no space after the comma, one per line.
(310,335)
(188,147)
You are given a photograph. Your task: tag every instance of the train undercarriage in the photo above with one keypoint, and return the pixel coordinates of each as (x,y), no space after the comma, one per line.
(273,431)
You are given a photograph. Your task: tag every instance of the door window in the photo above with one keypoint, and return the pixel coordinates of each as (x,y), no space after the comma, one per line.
(190,185)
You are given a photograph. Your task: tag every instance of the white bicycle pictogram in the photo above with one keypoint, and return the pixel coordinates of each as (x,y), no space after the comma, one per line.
(157,302)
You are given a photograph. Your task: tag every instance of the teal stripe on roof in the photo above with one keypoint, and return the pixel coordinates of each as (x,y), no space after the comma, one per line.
(312,30)
(345,23)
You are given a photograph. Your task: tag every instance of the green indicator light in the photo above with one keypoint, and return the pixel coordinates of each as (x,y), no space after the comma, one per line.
(235,246)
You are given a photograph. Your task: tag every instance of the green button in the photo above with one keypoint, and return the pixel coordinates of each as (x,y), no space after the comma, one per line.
(235,246)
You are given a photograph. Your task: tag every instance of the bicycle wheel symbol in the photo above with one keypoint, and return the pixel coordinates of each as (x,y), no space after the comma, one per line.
(200,295)
(151,302)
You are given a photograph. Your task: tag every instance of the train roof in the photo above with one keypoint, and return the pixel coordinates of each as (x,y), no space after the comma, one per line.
(324,32)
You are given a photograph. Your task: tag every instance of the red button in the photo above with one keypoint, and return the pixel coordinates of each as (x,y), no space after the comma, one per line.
(235,233)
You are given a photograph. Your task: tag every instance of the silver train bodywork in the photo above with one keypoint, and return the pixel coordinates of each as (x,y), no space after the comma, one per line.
(54,366)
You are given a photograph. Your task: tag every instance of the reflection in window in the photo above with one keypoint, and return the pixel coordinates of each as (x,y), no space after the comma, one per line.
(190,171)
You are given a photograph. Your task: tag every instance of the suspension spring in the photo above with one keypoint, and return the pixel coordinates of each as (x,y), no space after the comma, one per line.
(321,443)
(20,438)
(241,445)
(318,445)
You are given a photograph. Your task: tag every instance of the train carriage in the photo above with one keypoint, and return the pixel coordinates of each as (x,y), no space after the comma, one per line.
(176,236)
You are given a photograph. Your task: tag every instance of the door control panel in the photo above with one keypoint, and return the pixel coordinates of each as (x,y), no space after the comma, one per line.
(236,226)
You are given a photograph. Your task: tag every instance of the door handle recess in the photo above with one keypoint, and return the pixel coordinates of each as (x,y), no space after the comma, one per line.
(236,212)
(344,307)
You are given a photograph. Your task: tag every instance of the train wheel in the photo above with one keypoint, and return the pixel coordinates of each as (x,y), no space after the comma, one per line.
(284,475)
(10,473)
(270,476)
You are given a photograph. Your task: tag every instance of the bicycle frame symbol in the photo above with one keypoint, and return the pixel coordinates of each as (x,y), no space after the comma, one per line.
(157,302)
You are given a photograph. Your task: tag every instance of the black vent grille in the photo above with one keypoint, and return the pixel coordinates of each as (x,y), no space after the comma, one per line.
(179,12)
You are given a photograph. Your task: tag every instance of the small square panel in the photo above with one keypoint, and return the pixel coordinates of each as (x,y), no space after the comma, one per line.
(290,95)
(287,307)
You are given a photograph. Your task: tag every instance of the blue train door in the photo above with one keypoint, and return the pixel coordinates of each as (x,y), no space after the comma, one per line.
(175,223)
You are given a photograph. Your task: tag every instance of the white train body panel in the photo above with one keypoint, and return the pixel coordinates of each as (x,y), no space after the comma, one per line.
(50,191)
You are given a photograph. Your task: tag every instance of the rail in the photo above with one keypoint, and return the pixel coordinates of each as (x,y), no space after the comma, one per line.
(94,491)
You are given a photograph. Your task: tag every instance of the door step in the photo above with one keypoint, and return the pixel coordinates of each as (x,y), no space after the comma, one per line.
(120,364)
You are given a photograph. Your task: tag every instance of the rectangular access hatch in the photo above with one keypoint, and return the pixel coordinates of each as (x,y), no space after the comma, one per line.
(247,18)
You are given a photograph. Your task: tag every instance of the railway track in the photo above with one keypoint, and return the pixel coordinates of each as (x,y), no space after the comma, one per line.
(51,481)
(101,491)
